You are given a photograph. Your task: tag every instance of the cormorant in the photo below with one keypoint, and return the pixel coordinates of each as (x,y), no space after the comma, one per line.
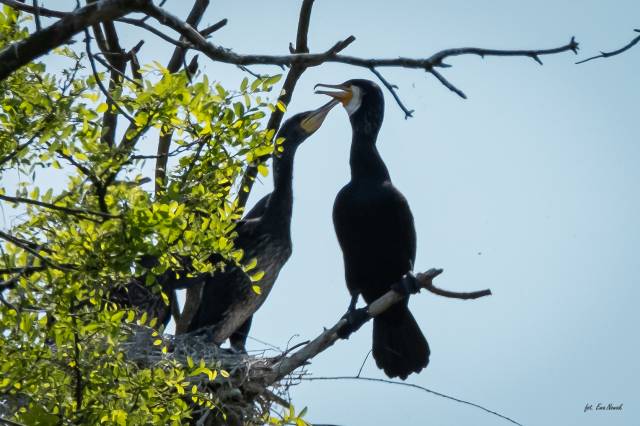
(376,232)
(264,233)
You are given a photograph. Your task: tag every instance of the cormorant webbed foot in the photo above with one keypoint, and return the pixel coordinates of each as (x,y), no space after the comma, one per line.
(355,319)
(407,285)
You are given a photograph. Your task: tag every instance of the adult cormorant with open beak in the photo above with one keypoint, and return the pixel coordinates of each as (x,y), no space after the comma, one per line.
(263,234)
(376,232)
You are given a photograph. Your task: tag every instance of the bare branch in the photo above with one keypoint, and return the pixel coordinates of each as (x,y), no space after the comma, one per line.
(221,54)
(36,13)
(213,28)
(198,41)
(411,385)
(296,70)
(18,5)
(107,122)
(392,88)
(448,85)
(140,23)
(68,210)
(615,52)
(20,53)
(194,293)
(109,66)
(329,337)
(176,61)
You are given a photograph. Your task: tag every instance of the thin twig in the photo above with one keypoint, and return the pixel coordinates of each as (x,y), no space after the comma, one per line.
(615,52)
(206,32)
(411,385)
(103,89)
(140,23)
(407,113)
(29,247)
(123,75)
(68,210)
(36,13)
(448,85)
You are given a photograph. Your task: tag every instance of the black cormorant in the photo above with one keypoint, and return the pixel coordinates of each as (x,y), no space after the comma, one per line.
(263,234)
(376,232)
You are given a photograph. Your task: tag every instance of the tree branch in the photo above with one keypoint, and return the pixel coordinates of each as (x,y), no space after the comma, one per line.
(49,13)
(194,295)
(206,32)
(175,63)
(287,365)
(109,119)
(296,70)
(20,53)
(118,60)
(32,249)
(615,52)
(24,51)
(68,210)
(392,88)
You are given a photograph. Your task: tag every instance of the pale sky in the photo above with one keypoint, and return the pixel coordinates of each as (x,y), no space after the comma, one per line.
(529,187)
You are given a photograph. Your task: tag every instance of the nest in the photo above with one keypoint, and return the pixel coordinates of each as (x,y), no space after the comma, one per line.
(243,397)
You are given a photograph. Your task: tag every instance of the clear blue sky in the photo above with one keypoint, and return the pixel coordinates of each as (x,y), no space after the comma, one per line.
(529,187)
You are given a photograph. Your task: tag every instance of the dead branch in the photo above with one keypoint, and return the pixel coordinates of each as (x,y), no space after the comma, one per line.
(615,52)
(288,87)
(18,54)
(21,53)
(329,337)
(392,89)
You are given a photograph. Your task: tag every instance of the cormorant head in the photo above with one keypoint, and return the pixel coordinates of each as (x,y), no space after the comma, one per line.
(302,125)
(363,101)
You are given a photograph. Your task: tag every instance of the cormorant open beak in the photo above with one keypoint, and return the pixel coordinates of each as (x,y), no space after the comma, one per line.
(344,95)
(314,120)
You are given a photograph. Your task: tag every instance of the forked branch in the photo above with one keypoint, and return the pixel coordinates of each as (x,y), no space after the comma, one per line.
(326,339)
(614,52)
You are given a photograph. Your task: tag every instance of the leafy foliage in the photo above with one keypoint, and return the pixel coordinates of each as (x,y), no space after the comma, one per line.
(60,361)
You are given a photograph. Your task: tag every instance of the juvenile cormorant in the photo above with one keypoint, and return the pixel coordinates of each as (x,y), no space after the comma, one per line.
(263,234)
(376,232)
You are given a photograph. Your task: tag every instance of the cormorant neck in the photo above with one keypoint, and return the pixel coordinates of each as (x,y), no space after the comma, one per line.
(280,207)
(365,160)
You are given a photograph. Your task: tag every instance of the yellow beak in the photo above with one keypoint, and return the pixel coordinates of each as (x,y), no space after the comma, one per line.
(315,119)
(344,95)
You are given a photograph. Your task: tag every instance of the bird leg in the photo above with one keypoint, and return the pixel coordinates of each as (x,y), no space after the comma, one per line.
(353,303)
(355,319)
(407,285)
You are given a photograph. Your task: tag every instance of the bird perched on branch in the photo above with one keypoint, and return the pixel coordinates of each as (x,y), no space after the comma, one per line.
(375,229)
(263,234)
